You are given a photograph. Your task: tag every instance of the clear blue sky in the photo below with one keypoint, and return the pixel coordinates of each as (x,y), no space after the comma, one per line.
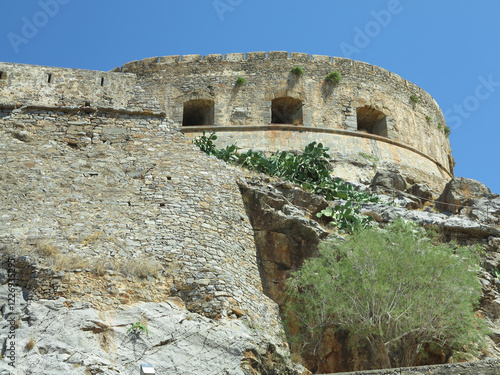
(450,48)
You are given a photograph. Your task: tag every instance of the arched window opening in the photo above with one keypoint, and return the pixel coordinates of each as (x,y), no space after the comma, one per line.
(287,110)
(371,121)
(198,112)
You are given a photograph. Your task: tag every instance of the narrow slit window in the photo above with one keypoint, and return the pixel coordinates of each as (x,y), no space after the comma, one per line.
(3,75)
(49,77)
(103,81)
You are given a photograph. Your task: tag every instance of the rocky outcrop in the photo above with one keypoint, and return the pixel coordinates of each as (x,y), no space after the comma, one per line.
(460,225)
(388,181)
(458,193)
(471,198)
(61,337)
(285,233)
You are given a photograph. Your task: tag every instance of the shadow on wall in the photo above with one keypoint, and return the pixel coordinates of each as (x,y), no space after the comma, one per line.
(198,112)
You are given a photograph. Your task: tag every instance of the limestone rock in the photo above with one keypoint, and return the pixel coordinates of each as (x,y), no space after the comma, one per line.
(458,193)
(77,339)
(388,181)
(420,191)
(285,233)
(453,224)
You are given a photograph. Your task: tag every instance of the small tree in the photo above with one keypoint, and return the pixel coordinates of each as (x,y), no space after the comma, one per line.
(392,290)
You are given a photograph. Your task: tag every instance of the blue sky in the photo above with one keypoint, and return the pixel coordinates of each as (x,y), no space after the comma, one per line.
(450,48)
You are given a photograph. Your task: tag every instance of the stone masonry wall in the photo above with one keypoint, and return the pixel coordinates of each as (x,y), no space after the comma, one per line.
(174,81)
(114,187)
(159,88)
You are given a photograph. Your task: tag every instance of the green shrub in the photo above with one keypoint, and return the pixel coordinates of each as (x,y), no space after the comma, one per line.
(333,77)
(240,81)
(206,144)
(414,98)
(447,130)
(392,291)
(137,328)
(345,217)
(428,118)
(297,70)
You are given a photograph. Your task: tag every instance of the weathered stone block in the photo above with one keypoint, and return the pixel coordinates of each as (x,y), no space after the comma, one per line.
(277,55)
(191,58)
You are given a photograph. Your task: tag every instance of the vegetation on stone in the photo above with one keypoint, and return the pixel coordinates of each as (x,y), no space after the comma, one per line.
(392,290)
(333,77)
(310,169)
(297,70)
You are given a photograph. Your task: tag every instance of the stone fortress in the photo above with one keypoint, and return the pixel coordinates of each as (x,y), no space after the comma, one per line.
(371,113)
(94,165)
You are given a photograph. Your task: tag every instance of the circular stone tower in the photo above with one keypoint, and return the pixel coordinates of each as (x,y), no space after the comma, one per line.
(369,117)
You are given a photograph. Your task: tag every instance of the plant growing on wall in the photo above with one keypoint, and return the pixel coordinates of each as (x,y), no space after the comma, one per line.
(333,77)
(240,81)
(447,130)
(391,290)
(310,170)
(137,328)
(297,71)
(414,99)
(428,118)
(345,217)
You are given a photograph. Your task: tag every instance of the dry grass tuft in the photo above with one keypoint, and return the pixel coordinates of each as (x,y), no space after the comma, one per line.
(140,267)
(31,344)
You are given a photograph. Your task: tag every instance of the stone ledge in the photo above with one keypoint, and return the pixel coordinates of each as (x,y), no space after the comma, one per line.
(299,128)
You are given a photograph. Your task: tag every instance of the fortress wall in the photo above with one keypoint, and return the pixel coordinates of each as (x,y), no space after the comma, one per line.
(29,85)
(81,127)
(268,76)
(145,194)
(358,153)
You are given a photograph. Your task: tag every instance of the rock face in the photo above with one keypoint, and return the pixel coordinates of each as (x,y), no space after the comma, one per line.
(60,337)
(389,181)
(471,198)
(458,193)
(285,233)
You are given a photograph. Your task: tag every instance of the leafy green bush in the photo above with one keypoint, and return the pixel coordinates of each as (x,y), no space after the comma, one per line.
(414,98)
(206,144)
(297,70)
(447,130)
(391,291)
(240,81)
(333,77)
(345,217)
